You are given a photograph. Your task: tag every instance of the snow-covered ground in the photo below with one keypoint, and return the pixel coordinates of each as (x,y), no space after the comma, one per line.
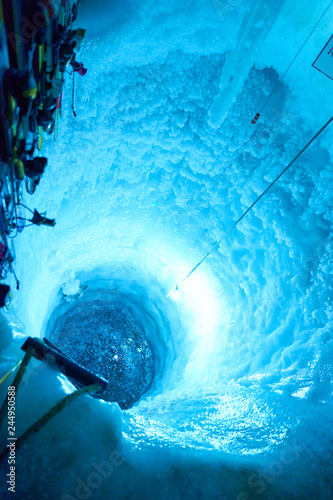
(160,161)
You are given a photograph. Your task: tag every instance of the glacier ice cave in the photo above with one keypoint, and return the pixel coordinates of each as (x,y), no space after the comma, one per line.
(226,388)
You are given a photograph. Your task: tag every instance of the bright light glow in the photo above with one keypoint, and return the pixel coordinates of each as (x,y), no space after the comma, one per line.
(198,296)
(197,289)
(175,294)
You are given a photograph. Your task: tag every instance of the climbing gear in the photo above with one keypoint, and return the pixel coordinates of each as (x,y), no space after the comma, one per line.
(34,170)
(16,278)
(34,58)
(37,219)
(250,208)
(254,120)
(40,220)
(78,67)
(4,292)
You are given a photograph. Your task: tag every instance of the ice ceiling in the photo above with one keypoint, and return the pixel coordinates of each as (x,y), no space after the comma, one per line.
(161,159)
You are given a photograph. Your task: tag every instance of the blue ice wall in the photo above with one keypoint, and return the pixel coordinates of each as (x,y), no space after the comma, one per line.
(160,161)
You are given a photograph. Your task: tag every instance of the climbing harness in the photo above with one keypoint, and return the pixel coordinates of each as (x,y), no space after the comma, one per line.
(255,119)
(251,207)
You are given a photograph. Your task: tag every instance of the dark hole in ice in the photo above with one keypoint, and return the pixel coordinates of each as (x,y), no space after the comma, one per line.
(106,339)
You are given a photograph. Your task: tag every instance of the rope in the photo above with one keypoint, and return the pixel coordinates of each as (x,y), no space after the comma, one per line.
(56,128)
(16,278)
(57,408)
(16,382)
(10,371)
(292,62)
(24,206)
(253,205)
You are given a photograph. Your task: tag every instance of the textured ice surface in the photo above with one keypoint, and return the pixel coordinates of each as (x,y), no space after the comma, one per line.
(244,407)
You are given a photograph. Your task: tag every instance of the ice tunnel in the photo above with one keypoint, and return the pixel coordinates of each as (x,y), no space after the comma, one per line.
(225,390)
